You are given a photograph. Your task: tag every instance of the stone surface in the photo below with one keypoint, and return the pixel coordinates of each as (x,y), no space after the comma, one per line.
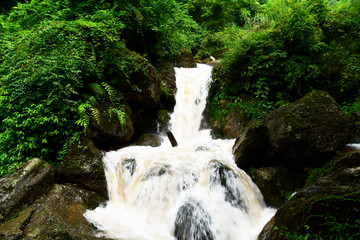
(106,130)
(251,148)
(21,188)
(275,184)
(83,166)
(149,139)
(308,131)
(328,206)
(235,122)
(58,215)
(143,86)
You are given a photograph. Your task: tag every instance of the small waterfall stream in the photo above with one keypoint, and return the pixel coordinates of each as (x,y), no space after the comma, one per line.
(193,191)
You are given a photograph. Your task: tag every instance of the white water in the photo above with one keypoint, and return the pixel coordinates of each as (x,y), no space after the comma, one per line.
(194,191)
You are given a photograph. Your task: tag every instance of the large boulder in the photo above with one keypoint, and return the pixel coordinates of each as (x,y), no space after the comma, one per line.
(106,129)
(251,148)
(308,131)
(327,207)
(58,215)
(83,166)
(24,186)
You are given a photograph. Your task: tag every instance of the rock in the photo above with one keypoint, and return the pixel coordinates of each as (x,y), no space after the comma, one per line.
(275,184)
(185,60)
(59,215)
(83,166)
(251,148)
(327,207)
(106,130)
(222,175)
(143,86)
(235,121)
(308,131)
(163,120)
(21,188)
(144,121)
(166,73)
(149,139)
(192,222)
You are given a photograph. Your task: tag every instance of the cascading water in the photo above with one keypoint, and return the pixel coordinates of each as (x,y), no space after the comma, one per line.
(190,192)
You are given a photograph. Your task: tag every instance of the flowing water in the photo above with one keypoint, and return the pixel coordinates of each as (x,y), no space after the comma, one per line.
(193,191)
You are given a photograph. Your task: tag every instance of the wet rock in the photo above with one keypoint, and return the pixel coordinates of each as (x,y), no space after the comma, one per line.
(130,165)
(106,130)
(308,131)
(327,207)
(166,73)
(149,139)
(163,119)
(235,122)
(225,177)
(252,148)
(21,188)
(83,166)
(275,184)
(192,222)
(59,215)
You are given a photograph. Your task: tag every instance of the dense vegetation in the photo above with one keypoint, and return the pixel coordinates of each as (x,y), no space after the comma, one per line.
(57,55)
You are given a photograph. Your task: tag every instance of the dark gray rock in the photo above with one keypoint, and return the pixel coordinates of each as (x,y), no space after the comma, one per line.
(106,130)
(192,222)
(83,166)
(275,184)
(328,206)
(308,131)
(251,148)
(149,139)
(24,186)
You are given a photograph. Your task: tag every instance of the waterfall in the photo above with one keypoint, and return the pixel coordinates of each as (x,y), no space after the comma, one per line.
(193,191)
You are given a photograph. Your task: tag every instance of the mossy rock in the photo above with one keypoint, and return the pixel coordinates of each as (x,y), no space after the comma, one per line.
(149,139)
(328,207)
(23,187)
(83,166)
(308,131)
(58,215)
(106,130)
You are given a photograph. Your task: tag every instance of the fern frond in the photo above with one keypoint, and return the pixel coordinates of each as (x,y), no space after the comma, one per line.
(95,114)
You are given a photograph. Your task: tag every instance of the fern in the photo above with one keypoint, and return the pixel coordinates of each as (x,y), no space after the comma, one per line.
(113,95)
(120,115)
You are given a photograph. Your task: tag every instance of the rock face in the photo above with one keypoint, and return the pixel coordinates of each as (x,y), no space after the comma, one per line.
(275,184)
(106,130)
(83,166)
(235,122)
(58,215)
(21,188)
(251,148)
(308,131)
(143,86)
(327,207)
